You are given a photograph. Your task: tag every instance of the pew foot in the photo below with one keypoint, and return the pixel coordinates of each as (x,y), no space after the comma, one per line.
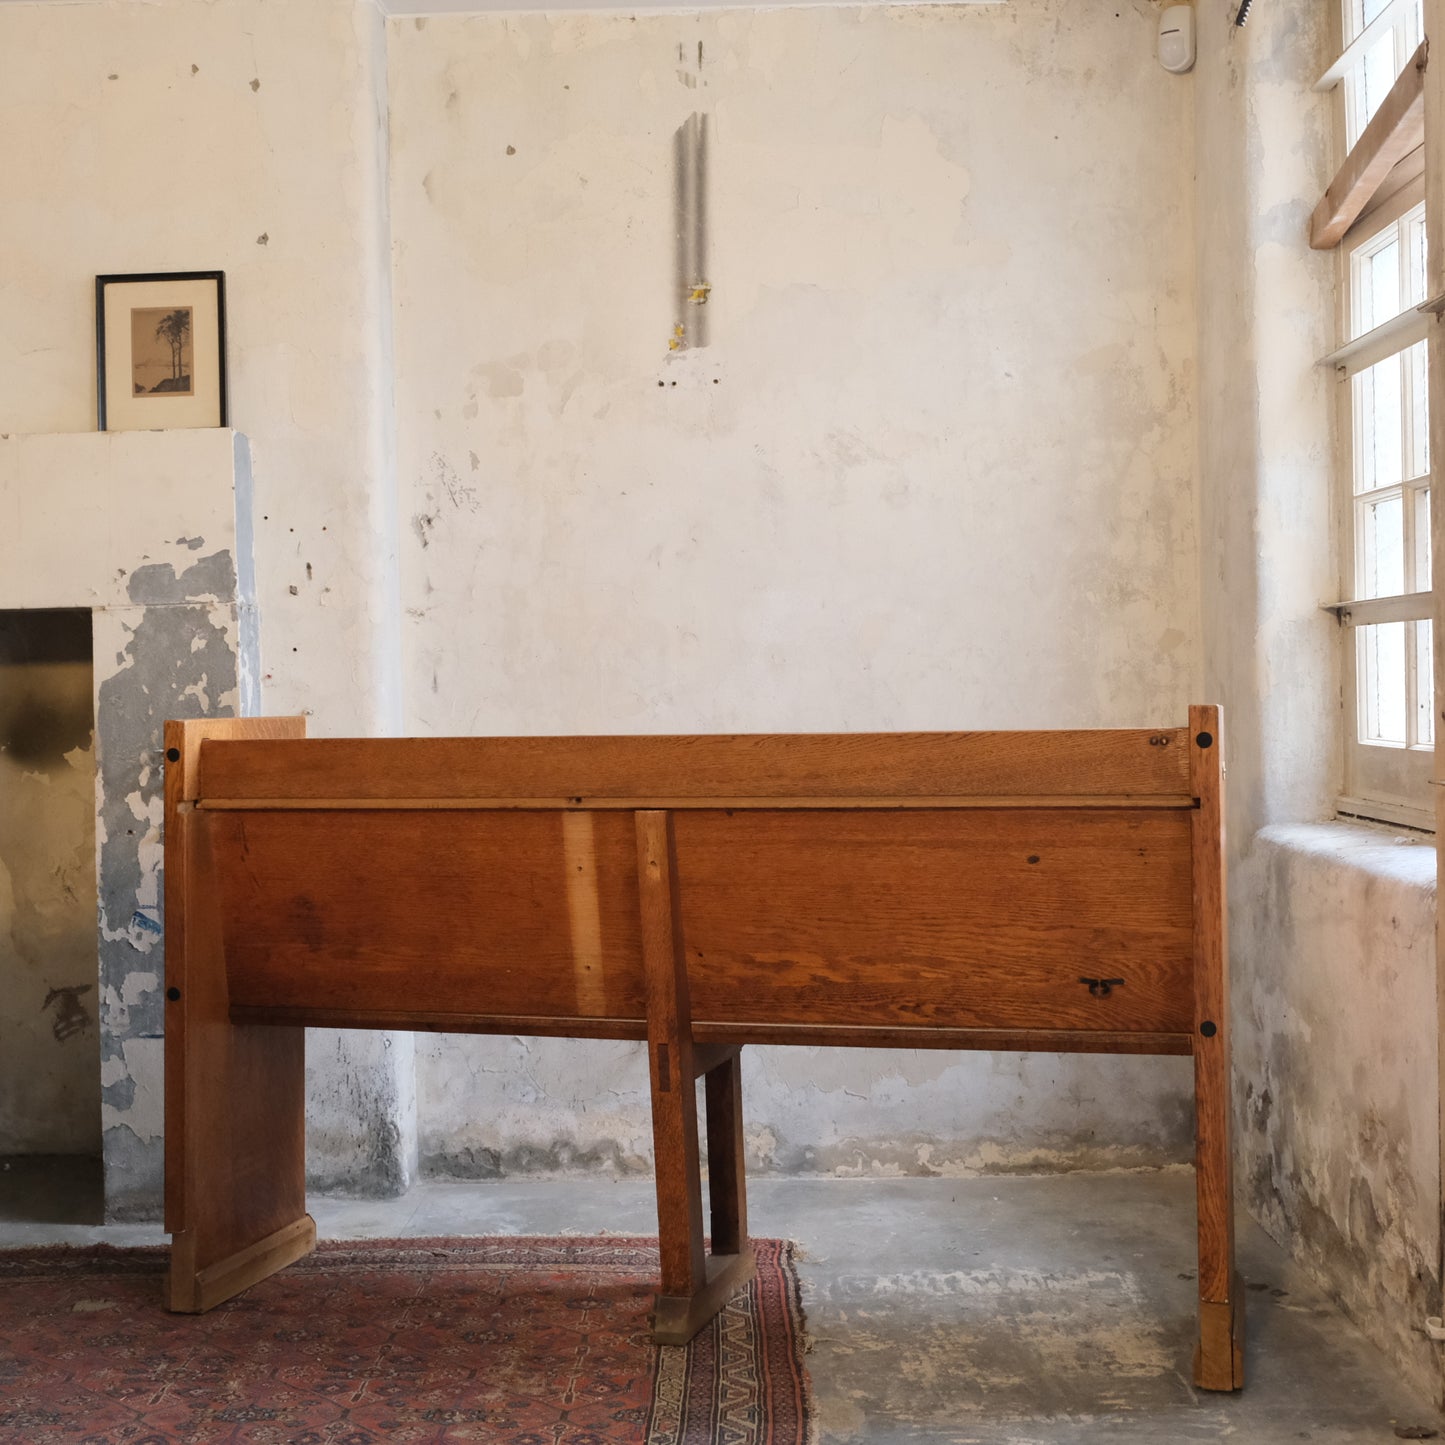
(193,1291)
(1219,1355)
(677,1318)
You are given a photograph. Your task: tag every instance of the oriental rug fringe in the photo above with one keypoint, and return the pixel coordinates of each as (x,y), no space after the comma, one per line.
(396,1342)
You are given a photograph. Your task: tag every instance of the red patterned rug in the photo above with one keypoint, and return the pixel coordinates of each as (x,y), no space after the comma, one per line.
(390,1342)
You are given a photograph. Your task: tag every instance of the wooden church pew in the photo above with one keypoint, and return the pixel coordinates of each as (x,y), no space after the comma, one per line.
(1057,891)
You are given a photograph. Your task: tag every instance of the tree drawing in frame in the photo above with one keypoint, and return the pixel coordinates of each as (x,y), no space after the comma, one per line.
(161,359)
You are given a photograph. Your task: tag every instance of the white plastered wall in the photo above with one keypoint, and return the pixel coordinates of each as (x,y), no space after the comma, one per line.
(933,470)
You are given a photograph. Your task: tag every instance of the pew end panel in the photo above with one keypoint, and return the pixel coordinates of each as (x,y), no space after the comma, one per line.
(235,1201)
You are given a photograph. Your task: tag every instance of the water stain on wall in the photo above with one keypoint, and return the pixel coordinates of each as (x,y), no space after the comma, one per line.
(49,1053)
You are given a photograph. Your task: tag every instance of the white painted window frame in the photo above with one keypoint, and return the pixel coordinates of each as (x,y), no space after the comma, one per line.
(1383,782)
(1402,21)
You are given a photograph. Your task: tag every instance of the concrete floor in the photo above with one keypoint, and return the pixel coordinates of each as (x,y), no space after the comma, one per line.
(1001,1311)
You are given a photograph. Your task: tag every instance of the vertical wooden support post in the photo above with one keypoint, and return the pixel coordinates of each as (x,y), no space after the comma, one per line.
(1219,1358)
(234,1095)
(694,1287)
(726,1180)
(669,1048)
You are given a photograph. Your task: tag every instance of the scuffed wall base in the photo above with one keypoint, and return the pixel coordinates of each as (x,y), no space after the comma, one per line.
(360,1113)
(498,1107)
(134,1171)
(1336,1059)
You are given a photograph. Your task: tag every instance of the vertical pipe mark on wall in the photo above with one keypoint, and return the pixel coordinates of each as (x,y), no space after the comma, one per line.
(689,199)
(584,914)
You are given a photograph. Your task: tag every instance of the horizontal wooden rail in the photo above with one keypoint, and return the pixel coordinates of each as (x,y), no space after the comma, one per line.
(729,1032)
(588,804)
(1101,762)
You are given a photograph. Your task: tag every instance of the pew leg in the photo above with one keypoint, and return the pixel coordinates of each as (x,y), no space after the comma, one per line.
(234,1100)
(1219,1355)
(726,1179)
(1219,1358)
(694,1284)
(697,1283)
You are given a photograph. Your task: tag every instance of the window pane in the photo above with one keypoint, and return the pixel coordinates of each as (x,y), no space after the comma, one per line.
(1414,25)
(1422,540)
(1369,11)
(1379,73)
(1378,444)
(1415,247)
(1425,685)
(1419,409)
(1382,678)
(1382,547)
(1377,286)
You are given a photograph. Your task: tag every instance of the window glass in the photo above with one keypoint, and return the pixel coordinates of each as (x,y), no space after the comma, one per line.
(1414,227)
(1377,284)
(1425,686)
(1382,546)
(1377,75)
(1378,445)
(1382,659)
(1422,540)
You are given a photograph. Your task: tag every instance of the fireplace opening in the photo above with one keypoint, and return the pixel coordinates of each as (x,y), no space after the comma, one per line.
(50,1076)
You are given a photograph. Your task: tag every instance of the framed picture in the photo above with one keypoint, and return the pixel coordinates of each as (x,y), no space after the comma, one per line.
(160,345)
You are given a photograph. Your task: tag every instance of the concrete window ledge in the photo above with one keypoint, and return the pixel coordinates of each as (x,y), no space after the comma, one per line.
(1336,1067)
(1373,851)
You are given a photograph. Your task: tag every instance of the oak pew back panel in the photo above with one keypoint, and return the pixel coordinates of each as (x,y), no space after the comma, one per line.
(938,919)
(451,913)
(927,919)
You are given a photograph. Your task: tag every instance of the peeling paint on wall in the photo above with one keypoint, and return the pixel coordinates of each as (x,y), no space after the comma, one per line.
(178,657)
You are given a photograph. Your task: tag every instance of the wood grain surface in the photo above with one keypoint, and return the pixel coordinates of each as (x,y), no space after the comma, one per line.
(928,919)
(678,1165)
(1213,1149)
(725,1031)
(1099,762)
(184,739)
(480,913)
(235,1140)
(938,919)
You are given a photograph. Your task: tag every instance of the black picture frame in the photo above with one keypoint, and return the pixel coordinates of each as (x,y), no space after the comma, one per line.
(207,402)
